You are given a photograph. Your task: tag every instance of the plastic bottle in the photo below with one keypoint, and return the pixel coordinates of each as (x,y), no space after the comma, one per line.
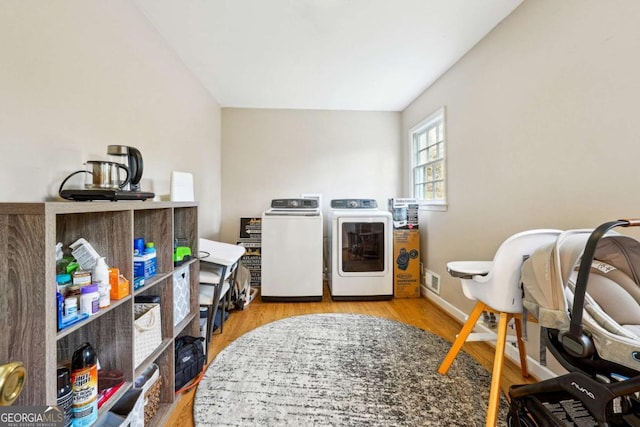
(63,280)
(65,395)
(59,253)
(100,277)
(89,300)
(138,246)
(61,264)
(84,382)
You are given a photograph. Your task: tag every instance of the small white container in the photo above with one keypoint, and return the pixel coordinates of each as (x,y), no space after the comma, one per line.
(70,307)
(104,299)
(100,277)
(89,300)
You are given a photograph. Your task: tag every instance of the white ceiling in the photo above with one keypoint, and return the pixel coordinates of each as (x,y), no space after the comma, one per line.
(322,54)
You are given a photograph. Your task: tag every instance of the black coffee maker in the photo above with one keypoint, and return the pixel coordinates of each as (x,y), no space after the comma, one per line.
(125,157)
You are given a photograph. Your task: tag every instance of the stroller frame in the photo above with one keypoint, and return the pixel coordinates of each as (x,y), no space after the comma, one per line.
(596,391)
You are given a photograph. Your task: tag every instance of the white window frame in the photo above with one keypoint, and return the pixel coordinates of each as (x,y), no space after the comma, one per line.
(431,121)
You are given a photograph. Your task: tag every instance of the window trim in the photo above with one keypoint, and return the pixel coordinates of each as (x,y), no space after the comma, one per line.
(436,205)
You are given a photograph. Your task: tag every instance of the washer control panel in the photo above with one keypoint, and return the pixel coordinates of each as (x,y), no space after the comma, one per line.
(294,204)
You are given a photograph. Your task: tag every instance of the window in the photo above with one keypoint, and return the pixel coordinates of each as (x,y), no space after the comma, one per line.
(428,174)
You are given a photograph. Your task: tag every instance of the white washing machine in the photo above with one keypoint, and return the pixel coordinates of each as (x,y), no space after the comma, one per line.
(361,250)
(292,251)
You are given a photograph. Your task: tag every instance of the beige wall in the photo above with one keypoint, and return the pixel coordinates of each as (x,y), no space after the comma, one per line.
(542,123)
(269,154)
(77,76)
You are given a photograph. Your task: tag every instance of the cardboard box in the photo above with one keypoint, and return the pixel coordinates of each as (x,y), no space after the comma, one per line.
(119,285)
(406,265)
(405,213)
(252,259)
(250,229)
(251,238)
(145,265)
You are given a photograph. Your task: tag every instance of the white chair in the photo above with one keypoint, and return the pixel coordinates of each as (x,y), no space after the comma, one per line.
(218,270)
(495,285)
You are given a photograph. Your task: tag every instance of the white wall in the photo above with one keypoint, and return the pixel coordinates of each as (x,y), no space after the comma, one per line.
(78,75)
(542,130)
(269,154)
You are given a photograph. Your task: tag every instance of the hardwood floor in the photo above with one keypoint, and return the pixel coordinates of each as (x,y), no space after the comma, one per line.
(419,312)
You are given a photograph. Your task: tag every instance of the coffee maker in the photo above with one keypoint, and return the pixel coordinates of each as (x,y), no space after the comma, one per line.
(111,186)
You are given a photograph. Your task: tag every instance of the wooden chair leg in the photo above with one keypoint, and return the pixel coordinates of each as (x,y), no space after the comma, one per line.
(462,337)
(494,393)
(498,363)
(522,349)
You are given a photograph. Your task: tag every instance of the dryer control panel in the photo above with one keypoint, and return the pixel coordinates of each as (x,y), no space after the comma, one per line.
(354,204)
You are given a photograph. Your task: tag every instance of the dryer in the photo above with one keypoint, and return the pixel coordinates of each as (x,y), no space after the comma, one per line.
(361,250)
(292,251)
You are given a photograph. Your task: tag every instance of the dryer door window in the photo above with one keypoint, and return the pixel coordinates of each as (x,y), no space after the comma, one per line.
(362,246)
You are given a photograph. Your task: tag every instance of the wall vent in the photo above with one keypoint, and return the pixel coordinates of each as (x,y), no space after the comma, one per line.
(432,281)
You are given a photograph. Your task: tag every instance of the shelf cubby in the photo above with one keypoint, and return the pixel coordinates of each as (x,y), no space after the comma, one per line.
(28,236)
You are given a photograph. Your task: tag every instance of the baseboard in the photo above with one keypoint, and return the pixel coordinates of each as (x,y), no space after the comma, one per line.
(511,351)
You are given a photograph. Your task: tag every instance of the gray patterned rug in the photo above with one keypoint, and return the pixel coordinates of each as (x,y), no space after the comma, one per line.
(341,369)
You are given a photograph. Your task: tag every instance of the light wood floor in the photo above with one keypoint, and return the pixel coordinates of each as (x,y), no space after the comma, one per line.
(418,312)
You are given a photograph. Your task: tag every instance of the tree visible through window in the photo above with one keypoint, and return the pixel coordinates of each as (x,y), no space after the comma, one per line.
(428,160)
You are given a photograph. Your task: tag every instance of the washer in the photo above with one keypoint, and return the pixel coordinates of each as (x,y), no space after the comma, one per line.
(292,251)
(361,250)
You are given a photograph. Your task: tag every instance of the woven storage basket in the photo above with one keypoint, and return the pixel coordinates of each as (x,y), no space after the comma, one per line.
(149,384)
(147,333)
(152,399)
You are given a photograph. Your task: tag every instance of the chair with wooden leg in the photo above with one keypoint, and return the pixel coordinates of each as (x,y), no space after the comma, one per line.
(495,285)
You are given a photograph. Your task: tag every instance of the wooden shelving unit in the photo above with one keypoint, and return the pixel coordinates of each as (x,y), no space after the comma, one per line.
(28,236)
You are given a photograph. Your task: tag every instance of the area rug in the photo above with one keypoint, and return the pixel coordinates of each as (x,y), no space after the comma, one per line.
(341,369)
